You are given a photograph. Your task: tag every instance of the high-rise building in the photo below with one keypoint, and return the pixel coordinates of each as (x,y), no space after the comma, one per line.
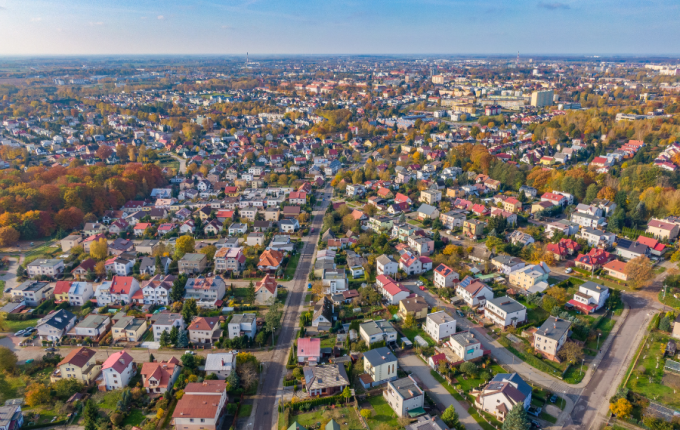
(542,98)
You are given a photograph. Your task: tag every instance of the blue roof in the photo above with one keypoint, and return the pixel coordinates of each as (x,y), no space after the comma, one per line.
(515,380)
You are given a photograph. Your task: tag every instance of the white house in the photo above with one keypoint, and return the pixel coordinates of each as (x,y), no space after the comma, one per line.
(117,370)
(504,312)
(221,364)
(380,365)
(590,297)
(501,395)
(376,331)
(465,346)
(80,293)
(404,395)
(440,325)
(242,325)
(165,322)
(444,276)
(392,290)
(474,293)
(55,325)
(386,265)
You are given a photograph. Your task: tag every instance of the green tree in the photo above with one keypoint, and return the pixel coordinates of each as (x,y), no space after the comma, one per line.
(189,361)
(8,359)
(165,338)
(517,419)
(469,368)
(183,340)
(189,310)
(450,417)
(178,290)
(65,388)
(409,321)
(250,293)
(174,334)
(346,394)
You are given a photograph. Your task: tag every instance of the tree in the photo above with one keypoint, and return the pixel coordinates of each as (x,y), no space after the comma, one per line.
(209,252)
(37,394)
(450,417)
(346,394)
(165,338)
(621,408)
(8,236)
(159,413)
(189,310)
(639,271)
(8,359)
(365,413)
(184,245)
(104,152)
(250,293)
(177,291)
(516,419)
(469,368)
(571,352)
(189,361)
(232,381)
(174,335)
(182,340)
(409,321)
(99,249)
(65,388)
(272,320)
(247,372)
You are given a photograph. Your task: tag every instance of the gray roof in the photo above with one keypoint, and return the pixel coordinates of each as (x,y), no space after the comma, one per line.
(9,413)
(440,317)
(324,376)
(465,338)
(506,260)
(507,304)
(384,259)
(243,319)
(45,262)
(515,380)
(592,286)
(31,285)
(59,319)
(427,209)
(407,388)
(380,356)
(554,328)
(93,321)
(165,318)
(218,362)
(426,422)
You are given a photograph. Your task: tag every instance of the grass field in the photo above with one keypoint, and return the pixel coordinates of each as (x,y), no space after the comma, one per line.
(245,411)
(289,273)
(605,326)
(346,417)
(14,326)
(134,418)
(647,377)
(411,333)
(383,413)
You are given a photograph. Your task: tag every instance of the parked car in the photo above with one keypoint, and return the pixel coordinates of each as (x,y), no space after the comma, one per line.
(553,398)
(460,313)
(534,411)
(19,333)
(8,289)
(189,352)
(422,287)
(568,270)
(535,424)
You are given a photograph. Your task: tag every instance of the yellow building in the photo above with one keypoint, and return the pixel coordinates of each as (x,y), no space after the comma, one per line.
(416,306)
(128,329)
(79,364)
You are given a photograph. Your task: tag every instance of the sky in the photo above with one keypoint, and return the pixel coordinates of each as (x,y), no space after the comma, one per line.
(98,27)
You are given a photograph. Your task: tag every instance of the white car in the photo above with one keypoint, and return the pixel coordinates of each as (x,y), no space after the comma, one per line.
(568,270)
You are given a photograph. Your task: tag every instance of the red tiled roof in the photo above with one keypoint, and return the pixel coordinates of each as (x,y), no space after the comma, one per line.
(121,284)
(204,323)
(118,361)
(267,282)
(309,347)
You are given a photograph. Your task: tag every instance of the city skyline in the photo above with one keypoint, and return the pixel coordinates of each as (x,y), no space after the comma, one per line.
(303,27)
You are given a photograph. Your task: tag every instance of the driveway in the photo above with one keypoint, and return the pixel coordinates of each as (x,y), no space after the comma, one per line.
(411,363)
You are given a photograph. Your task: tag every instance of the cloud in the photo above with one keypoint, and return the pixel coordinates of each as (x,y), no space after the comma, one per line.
(227,27)
(92,24)
(161,17)
(36,19)
(3,8)
(553,5)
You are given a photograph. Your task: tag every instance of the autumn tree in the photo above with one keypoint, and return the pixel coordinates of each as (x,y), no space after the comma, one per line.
(104,152)
(621,408)
(184,245)
(69,219)
(37,394)
(572,352)
(99,249)
(8,359)
(209,251)
(639,271)
(8,236)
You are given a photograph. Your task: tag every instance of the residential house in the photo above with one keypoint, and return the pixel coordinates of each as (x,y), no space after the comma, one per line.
(473,228)
(266,291)
(444,276)
(377,331)
(270,261)
(507,264)
(128,329)
(426,211)
(289,225)
(237,228)
(616,269)
(551,336)
(163,321)
(70,242)
(159,376)
(55,325)
(453,219)
(309,350)
(207,291)
(380,366)
(439,325)
(147,246)
(192,263)
(80,293)
(242,325)
(520,238)
(597,238)
(465,345)
(32,293)
(662,230)
(474,293)
(205,330)
(80,365)
(505,312)
(431,197)
(325,380)
(590,297)
(594,259)
(85,268)
(156,291)
(405,397)
(628,250)
(528,276)
(220,364)
(201,407)
(386,265)
(414,265)
(230,259)
(61,289)
(502,394)
(51,268)
(415,306)
(117,371)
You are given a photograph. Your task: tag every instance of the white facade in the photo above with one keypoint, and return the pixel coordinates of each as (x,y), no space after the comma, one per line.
(440,325)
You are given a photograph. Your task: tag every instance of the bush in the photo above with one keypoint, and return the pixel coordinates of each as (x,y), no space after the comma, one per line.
(307,404)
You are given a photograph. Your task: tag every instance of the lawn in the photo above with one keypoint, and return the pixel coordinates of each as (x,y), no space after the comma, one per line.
(245,411)
(12,386)
(328,342)
(412,332)
(669,299)
(547,417)
(14,326)
(134,418)
(383,413)
(108,400)
(649,380)
(346,417)
(605,326)
(289,273)
(575,374)
(546,366)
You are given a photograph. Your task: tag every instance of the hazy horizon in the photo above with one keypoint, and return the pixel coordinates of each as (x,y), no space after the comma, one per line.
(304,27)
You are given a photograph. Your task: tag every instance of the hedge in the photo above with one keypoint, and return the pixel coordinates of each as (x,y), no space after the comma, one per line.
(37,426)
(317,402)
(290,383)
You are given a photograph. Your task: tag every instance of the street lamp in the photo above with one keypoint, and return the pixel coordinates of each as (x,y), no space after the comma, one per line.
(582,360)
(598,340)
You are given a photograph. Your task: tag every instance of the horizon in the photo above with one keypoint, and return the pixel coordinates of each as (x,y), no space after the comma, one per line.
(301,27)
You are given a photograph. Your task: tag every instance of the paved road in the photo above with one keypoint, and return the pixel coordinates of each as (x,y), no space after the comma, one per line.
(265,410)
(182,163)
(412,364)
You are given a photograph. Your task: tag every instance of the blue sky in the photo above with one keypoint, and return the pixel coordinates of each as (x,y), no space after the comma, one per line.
(55,27)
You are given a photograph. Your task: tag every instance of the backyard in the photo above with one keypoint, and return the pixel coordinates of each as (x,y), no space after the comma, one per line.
(412,332)
(383,413)
(346,417)
(648,377)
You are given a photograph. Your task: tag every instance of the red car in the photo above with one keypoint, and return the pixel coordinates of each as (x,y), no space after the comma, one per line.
(422,287)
